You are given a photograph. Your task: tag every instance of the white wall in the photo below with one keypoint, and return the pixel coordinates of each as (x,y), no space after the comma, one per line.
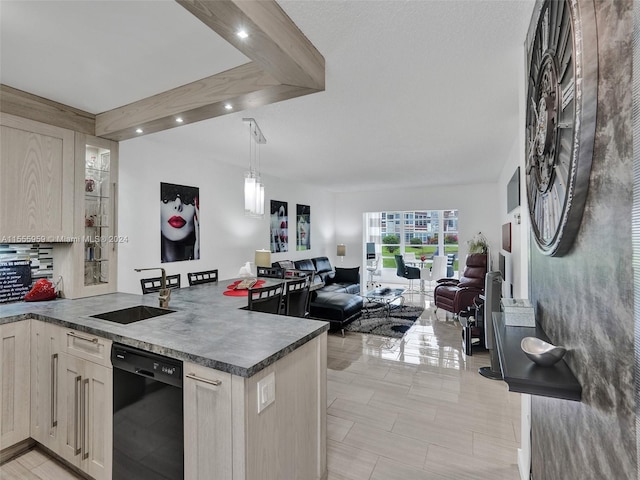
(518,259)
(227,237)
(477,205)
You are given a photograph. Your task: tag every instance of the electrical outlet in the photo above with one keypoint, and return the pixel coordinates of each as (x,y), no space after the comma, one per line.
(266,391)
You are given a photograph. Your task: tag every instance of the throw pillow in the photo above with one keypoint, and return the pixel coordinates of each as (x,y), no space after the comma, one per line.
(347,275)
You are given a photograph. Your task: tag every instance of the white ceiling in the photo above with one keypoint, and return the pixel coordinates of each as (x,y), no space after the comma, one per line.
(418,93)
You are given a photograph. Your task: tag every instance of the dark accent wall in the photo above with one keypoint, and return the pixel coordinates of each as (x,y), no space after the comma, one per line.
(584,300)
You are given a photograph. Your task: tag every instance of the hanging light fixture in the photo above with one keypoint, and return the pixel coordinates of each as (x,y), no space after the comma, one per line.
(253,187)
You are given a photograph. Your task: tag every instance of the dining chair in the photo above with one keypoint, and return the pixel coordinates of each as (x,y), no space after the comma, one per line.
(438,271)
(374,271)
(151,285)
(404,271)
(296,297)
(266,299)
(270,272)
(207,276)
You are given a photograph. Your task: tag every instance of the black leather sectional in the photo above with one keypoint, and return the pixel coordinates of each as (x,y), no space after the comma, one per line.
(338,301)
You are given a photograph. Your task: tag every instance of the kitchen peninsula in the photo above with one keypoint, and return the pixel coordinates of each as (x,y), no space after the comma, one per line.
(230,356)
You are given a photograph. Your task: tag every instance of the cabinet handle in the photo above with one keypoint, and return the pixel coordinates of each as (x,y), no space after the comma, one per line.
(85,419)
(114,214)
(54,390)
(215,383)
(76,415)
(86,339)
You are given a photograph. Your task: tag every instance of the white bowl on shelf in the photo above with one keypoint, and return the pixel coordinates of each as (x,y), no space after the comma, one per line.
(541,352)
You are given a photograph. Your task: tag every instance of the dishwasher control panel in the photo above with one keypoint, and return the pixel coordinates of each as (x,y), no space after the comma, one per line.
(147,364)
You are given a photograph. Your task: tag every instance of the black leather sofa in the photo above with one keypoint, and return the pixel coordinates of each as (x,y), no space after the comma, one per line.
(338,301)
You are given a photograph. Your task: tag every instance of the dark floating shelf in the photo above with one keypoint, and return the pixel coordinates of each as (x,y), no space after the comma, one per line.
(524,376)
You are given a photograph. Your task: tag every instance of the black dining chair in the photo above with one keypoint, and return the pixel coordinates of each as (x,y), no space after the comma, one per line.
(266,299)
(270,272)
(404,271)
(198,278)
(151,285)
(296,297)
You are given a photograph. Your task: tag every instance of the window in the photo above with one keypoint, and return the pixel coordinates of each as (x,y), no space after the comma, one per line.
(423,232)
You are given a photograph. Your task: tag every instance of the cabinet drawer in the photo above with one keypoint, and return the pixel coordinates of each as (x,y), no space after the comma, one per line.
(89,347)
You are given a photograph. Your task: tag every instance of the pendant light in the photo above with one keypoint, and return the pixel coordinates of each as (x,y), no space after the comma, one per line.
(253,187)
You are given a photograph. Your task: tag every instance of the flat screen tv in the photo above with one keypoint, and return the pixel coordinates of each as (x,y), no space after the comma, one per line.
(513,191)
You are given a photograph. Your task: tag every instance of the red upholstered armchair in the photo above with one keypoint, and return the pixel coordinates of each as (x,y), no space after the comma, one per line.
(455,295)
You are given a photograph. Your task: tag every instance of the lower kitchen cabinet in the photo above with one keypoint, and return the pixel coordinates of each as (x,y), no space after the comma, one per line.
(87,414)
(207,423)
(270,426)
(46,348)
(14,382)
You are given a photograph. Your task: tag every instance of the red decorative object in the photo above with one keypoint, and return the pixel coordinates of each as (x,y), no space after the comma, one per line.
(423,258)
(42,290)
(231,292)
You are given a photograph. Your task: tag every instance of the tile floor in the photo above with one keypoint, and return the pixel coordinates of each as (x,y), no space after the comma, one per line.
(416,408)
(408,409)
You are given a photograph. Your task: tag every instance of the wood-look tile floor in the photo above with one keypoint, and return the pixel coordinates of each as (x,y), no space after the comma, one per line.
(416,408)
(398,409)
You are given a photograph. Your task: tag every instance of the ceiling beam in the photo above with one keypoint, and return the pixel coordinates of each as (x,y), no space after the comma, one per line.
(26,105)
(284,65)
(193,102)
(274,42)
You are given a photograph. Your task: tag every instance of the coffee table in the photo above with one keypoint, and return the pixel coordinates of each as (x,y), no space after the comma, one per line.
(384,297)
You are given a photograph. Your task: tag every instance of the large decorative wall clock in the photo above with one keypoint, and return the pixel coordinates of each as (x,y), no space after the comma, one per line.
(561,118)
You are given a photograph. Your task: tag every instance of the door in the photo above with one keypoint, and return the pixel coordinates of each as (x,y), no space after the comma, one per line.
(36,181)
(87,401)
(14,382)
(207,424)
(98,420)
(45,383)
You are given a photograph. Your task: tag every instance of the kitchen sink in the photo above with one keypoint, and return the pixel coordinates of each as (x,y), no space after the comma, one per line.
(132,314)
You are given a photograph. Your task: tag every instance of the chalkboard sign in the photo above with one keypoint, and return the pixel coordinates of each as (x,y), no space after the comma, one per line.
(15,280)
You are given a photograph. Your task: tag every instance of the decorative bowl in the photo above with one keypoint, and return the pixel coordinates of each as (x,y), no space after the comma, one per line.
(541,352)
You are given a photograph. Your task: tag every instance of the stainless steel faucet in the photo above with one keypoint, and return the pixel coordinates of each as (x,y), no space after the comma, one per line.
(165,293)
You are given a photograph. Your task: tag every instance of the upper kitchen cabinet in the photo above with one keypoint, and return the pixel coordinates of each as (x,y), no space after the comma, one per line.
(95,211)
(36,181)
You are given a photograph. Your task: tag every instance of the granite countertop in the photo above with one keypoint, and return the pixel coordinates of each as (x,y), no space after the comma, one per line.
(207,327)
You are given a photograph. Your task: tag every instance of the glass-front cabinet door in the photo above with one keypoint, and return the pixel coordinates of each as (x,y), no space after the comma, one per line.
(97,214)
(96,226)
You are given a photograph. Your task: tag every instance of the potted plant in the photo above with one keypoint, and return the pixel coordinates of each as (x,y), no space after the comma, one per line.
(478,244)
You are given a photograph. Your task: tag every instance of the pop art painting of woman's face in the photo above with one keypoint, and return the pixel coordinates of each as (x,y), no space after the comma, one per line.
(279,227)
(179,222)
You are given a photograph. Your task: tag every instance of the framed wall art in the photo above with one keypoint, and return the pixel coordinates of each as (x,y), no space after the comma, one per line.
(303,224)
(179,223)
(279,227)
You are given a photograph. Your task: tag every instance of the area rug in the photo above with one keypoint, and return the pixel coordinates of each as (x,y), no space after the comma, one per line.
(375,322)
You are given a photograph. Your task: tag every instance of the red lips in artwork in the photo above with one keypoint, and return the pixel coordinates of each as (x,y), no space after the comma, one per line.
(177,221)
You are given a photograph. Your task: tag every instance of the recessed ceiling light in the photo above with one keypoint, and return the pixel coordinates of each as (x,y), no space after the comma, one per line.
(179,120)
(228,106)
(242,34)
(138,130)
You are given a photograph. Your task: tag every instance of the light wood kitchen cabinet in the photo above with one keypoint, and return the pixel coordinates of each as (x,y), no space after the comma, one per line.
(89,266)
(87,410)
(46,348)
(36,181)
(207,423)
(14,382)
(269,426)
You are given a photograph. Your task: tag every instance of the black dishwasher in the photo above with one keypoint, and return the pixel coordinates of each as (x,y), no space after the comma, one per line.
(148,437)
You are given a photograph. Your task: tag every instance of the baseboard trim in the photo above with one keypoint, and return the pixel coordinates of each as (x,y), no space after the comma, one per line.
(15,450)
